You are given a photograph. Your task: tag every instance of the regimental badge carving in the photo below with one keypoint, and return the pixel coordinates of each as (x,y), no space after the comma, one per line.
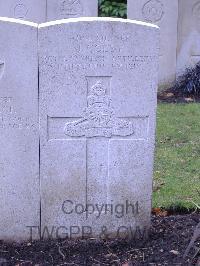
(99,119)
(20,11)
(153,11)
(196,10)
(71,8)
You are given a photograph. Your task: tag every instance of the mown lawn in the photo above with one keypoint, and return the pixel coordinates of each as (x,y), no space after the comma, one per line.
(177,160)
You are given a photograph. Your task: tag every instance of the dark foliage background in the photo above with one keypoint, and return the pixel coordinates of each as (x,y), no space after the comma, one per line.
(116,8)
(189,82)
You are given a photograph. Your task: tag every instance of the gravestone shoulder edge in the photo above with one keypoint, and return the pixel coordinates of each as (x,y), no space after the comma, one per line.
(18,21)
(96,19)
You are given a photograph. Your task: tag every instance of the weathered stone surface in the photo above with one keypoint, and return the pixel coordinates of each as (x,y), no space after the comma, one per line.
(46,10)
(71,9)
(32,10)
(188,52)
(19,142)
(98,108)
(163,13)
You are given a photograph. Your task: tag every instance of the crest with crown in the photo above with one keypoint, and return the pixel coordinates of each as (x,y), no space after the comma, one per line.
(99,119)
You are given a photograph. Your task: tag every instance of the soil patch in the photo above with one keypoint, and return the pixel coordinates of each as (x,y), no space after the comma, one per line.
(169,238)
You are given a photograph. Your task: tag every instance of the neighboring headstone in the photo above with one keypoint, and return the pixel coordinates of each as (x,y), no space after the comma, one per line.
(46,10)
(32,10)
(163,13)
(188,52)
(60,9)
(98,95)
(19,141)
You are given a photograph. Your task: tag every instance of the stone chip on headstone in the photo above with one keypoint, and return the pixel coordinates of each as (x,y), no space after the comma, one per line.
(98,94)
(19,141)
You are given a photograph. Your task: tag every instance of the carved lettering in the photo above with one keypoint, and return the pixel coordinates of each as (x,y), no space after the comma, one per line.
(71,63)
(10,119)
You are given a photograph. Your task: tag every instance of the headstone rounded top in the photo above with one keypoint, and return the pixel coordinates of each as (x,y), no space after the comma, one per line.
(97,19)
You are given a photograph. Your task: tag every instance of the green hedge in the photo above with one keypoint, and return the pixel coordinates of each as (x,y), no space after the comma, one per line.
(116,8)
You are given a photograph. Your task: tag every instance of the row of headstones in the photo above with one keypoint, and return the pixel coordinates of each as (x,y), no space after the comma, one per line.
(178,20)
(40,11)
(92,140)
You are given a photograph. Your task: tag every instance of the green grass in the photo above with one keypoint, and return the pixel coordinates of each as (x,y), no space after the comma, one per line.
(177,161)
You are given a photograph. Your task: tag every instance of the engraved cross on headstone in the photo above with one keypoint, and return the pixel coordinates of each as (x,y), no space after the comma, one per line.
(98,126)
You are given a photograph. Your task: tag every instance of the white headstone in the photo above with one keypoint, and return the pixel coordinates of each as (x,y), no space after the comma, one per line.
(46,10)
(61,9)
(188,52)
(19,141)
(163,13)
(98,109)
(32,10)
